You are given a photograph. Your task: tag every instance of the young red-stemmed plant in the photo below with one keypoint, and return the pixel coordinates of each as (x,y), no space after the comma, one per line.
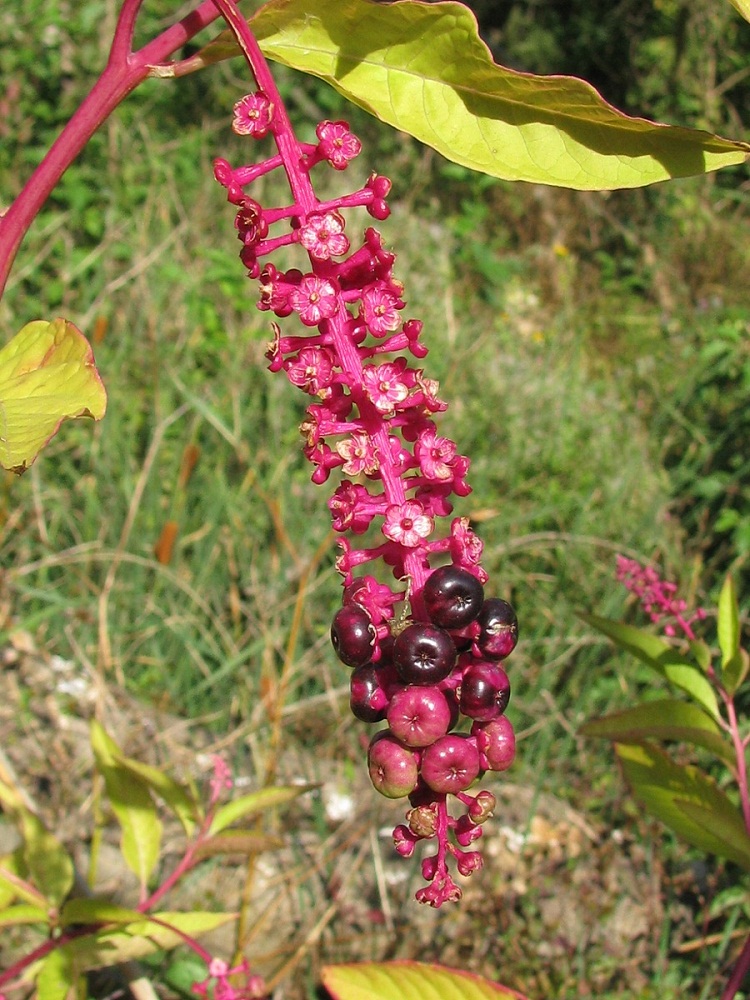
(703,716)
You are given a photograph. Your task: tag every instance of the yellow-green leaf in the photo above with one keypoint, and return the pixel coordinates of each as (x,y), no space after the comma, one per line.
(49,864)
(422,68)
(23,913)
(253,804)
(141,938)
(56,976)
(47,374)
(743,7)
(409,981)
(131,801)
(734,665)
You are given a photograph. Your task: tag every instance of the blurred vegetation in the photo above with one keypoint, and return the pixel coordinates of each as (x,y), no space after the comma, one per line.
(594,349)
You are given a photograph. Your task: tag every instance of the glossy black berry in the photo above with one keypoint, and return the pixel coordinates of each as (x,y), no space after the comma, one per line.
(352,635)
(485,691)
(498,633)
(423,654)
(452,597)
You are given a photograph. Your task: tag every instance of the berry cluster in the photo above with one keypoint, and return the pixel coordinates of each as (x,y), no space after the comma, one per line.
(437,658)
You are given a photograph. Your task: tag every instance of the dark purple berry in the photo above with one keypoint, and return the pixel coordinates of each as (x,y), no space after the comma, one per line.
(485,691)
(453,597)
(353,635)
(418,715)
(393,767)
(450,764)
(423,654)
(496,743)
(367,695)
(498,633)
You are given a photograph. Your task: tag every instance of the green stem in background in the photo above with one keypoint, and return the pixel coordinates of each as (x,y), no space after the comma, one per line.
(124,71)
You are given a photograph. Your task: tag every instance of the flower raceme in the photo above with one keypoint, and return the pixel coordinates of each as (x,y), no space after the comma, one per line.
(437,659)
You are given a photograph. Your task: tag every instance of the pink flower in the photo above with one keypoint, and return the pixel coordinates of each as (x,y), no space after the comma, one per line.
(407,524)
(253,115)
(385,386)
(323,236)
(359,455)
(352,508)
(466,548)
(311,369)
(249,222)
(435,455)
(315,299)
(221,779)
(337,144)
(379,306)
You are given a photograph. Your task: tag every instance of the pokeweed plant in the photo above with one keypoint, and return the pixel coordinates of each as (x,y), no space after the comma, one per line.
(707,677)
(427,649)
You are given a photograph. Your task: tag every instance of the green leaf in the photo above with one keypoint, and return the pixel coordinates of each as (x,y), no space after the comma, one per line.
(132,804)
(667,719)
(49,864)
(56,976)
(47,374)
(422,68)
(702,654)
(661,657)
(669,791)
(185,807)
(409,981)
(23,913)
(255,803)
(141,938)
(733,665)
(96,911)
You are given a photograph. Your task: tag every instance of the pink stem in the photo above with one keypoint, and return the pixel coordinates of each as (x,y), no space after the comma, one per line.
(122,74)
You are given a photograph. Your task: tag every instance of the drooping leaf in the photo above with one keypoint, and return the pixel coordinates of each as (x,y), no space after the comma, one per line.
(667,789)
(661,657)
(409,981)
(132,804)
(47,374)
(185,807)
(666,719)
(255,803)
(141,938)
(701,654)
(422,68)
(733,664)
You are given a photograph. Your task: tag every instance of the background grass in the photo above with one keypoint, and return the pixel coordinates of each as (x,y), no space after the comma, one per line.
(594,352)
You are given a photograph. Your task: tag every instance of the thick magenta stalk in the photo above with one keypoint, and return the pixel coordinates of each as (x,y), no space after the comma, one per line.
(124,71)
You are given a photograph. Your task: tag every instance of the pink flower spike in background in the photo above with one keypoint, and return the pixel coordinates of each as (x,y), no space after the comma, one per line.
(658,598)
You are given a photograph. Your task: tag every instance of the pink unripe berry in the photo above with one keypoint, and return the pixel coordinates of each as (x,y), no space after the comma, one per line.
(496,743)
(418,715)
(451,764)
(393,768)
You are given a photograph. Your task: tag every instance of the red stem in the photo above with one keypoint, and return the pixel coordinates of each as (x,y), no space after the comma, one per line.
(738,973)
(124,71)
